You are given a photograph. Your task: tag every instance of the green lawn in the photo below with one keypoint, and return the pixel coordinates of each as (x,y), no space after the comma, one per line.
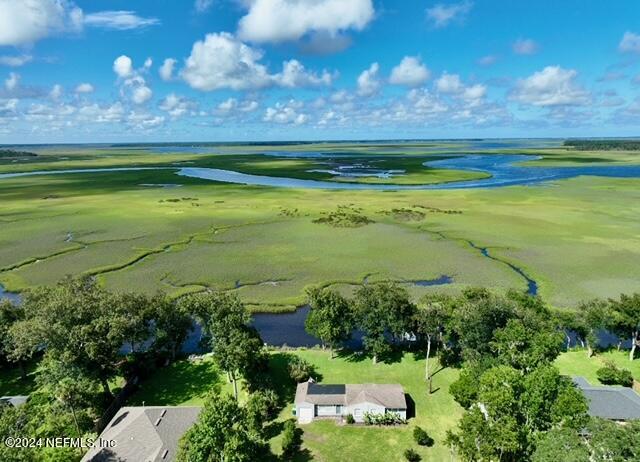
(183,383)
(12,383)
(576,363)
(436,413)
(186,383)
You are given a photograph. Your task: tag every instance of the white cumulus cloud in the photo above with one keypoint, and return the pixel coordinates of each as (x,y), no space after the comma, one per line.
(286,20)
(442,15)
(449,83)
(26,21)
(630,43)
(552,86)
(84,88)
(141,94)
(222,61)
(368,81)
(410,72)
(295,75)
(232,106)
(525,47)
(176,106)
(286,113)
(166,70)
(123,66)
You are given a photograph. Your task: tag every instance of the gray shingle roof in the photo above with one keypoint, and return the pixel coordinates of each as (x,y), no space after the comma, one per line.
(14,401)
(386,395)
(144,434)
(614,403)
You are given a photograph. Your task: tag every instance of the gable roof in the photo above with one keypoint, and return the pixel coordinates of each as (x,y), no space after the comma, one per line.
(614,403)
(144,434)
(389,395)
(385,395)
(15,401)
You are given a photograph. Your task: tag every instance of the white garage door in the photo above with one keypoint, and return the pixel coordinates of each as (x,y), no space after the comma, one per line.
(306,415)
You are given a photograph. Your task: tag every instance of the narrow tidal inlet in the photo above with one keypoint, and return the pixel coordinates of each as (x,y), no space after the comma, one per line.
(12,297)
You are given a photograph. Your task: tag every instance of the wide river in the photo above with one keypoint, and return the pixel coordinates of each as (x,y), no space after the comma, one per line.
(504,170)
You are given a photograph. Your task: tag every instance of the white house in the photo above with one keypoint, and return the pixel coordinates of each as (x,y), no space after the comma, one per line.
(314,400)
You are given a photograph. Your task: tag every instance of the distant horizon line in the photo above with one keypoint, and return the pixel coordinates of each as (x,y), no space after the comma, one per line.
(294,142)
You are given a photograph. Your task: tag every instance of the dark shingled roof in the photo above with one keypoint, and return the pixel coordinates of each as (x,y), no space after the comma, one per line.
(144,434)
(614,403)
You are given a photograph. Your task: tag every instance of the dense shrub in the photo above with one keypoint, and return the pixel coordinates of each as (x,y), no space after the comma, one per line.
(261,408)
(422,437)
(389,418)
(299,369)
(350,419)
(291,439)
(610,374)
(412,456)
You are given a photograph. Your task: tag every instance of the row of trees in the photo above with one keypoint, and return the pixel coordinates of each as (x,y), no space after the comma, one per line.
(621,317)
(84,338)
(79,327)
(385,314)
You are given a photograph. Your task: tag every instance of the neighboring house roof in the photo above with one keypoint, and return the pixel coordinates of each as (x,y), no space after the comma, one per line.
(615,403)
(385,395)
(144,434)
(15,401)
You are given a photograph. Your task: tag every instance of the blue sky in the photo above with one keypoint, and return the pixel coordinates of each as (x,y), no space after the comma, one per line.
(225,70)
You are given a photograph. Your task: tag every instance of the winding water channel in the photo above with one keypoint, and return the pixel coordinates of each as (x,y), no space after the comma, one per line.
(504,170)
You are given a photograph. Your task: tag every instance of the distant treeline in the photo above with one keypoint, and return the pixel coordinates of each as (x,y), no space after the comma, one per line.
(10,153)
(604,145)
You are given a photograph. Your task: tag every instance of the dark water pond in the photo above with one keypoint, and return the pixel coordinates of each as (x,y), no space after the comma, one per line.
(276,329)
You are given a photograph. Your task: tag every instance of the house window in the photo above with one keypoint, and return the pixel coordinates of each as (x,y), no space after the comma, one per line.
(357,413)
(325,410)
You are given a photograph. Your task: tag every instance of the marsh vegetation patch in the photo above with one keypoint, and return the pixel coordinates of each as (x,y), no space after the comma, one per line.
(345,216)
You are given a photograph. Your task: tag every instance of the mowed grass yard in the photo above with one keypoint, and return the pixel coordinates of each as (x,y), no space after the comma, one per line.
(436,413)
(576,362)
(187,383)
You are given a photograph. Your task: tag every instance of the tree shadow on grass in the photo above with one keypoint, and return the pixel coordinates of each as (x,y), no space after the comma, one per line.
(303,455)
(273,429)
(12,383)
(177,383)
(283,385)
(352,356)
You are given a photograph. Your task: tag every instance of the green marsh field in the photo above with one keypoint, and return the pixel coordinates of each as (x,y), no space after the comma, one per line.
(151,230)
